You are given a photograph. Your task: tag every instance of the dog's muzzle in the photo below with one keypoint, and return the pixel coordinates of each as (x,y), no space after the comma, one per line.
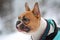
(22,27)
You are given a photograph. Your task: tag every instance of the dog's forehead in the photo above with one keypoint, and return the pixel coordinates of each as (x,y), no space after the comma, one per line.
(27,13)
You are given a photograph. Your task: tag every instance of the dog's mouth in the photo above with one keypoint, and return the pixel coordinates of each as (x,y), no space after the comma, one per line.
(22,27)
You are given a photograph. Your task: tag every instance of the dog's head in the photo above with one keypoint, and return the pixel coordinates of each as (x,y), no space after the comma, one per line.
(29,21)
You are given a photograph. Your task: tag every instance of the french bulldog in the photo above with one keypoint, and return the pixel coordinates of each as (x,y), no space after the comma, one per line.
(31,22)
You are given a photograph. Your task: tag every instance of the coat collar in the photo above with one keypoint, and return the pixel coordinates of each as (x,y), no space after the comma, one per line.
(52,35)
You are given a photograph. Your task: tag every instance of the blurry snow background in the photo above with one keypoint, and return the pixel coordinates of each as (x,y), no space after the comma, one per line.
(11,9)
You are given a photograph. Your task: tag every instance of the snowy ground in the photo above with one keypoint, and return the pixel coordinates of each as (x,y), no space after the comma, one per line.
(16,36)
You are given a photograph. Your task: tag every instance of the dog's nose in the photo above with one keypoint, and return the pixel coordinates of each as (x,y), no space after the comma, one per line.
(18,22)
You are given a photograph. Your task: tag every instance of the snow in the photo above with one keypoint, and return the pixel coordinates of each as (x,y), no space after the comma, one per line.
(16,36)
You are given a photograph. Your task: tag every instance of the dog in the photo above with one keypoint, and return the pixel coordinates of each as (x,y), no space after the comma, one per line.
(30,22)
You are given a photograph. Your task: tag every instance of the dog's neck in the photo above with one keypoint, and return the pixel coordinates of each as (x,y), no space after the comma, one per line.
(43,24)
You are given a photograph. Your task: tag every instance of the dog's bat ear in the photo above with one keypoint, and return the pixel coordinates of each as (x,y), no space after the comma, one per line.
(36,10)
(27,7)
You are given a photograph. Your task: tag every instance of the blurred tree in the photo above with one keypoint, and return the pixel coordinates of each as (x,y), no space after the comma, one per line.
(5,7)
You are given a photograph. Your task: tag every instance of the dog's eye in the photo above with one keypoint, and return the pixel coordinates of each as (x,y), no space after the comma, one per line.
(25,19)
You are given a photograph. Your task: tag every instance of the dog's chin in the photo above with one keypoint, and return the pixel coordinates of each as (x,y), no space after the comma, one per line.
(24,32)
